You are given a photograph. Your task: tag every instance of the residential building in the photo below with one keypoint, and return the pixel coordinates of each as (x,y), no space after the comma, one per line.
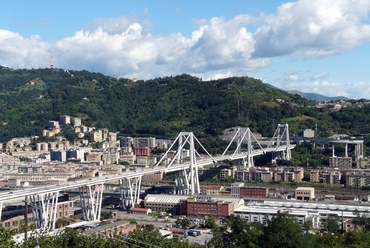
(58,155)
(340,162)
(212,189)
(53,124)
(308,133)
(235,189)
(76,153)
(144,142)
(154,177)
(64,120)
(76,122)
(126,141)
(331,177)
(358,179)
(314,176)
(142,151)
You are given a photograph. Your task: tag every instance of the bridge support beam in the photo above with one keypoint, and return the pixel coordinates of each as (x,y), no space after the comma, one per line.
(359,151)
(130,191)
(281,138)
(244,136)
(186,183)
(44,210)
(91,200)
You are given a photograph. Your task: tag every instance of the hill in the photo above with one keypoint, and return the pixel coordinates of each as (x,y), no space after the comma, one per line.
(313,96)
(160,107)
(317,97)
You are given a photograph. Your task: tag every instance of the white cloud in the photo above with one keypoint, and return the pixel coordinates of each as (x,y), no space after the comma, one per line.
(125,46)
(314,28)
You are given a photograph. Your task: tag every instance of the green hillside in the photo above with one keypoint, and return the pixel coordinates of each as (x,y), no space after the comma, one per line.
(160,107)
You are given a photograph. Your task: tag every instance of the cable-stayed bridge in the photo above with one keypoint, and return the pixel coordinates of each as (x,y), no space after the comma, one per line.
(189,155)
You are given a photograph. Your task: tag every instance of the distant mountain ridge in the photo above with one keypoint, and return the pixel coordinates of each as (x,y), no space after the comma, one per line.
(317,97)
(312,96)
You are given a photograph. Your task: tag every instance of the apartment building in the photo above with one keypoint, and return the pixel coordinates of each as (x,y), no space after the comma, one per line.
(144,142)
(212,189)
(358,179)
(64,120)
(340,162)
(154,177)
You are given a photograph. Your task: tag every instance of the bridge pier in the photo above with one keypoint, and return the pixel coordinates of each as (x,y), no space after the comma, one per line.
(44,210)
(130,191)
(91,200)
(187,182)
(243,136)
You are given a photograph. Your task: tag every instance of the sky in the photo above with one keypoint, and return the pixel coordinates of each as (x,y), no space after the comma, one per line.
(315,46)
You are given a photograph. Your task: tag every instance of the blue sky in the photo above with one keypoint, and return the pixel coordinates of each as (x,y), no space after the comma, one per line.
(308,45)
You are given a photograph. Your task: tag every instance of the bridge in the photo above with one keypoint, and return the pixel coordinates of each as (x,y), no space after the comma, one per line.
(189,155)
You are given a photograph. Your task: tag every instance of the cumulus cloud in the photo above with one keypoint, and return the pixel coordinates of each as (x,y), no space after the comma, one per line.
(313,28)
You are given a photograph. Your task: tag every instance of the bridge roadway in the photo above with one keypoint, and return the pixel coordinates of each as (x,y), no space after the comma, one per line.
(17,194)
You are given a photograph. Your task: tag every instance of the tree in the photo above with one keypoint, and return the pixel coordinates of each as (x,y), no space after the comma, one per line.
(69,134)
(183,222)
(210,222)
(362,221)
(283,230)
(332,224)
(6,237)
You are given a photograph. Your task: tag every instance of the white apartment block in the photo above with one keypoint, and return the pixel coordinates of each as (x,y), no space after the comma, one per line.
(144,142)
(64,120)
(76,122)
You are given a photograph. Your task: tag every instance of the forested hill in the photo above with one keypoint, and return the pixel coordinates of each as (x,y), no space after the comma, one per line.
(160,107)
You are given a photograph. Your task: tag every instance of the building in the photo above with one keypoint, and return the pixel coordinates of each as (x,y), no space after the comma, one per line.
(212,189)
(202,207)
(235,189)
(314,176)
(112,137)
(111,230)
(76,122)
(43,146)
(53,124)
(261,215)
(305,193)
(331,177)
(171,203)
(64,120)
(142,151)
(154,177)
(76,153)
(254,174)
(58,155)
(358,179)
(316,212)
(14,219)
(126,141)
(143,211)
(340,162)
(308,133)
(144,142)
(254,192)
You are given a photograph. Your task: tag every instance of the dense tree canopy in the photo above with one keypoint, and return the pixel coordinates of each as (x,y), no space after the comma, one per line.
(161,107)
